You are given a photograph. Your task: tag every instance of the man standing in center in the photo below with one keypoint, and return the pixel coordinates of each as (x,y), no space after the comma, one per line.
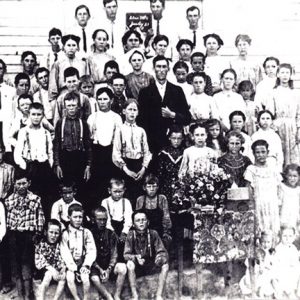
(162,104)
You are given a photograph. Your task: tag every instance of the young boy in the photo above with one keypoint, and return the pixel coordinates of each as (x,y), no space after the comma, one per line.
(157,209)
(118,82)
(41,95)
(29,62)
(145,253)
(33,153)
(72,146)
(110,68)
(86,87)
(119,213)
(48,260)
(25,219)
(106,265)
(78,251)
(60,208)
(71,76)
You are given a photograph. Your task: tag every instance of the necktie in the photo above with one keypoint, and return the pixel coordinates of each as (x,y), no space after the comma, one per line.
(84,40)
(157,28)
(194,38)
(132,138)
(55,57)
(112,34)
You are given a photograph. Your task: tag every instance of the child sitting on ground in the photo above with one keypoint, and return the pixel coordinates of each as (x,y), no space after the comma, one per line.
(157,209)
(106,266)
(48,260)
(60,208)
(145,253)
(78,251)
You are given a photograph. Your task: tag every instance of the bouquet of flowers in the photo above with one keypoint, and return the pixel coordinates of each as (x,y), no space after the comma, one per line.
(207,186)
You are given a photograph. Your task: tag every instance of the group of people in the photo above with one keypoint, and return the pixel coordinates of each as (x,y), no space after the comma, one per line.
(95,136)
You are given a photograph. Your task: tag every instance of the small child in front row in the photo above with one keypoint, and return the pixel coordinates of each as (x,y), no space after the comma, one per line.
(78,251)
(145,253)
(289,197)
(48,259)
(263,269)
(119,213)
(106,266)
(60,208)
(286,276)
(157,209)
(131,151)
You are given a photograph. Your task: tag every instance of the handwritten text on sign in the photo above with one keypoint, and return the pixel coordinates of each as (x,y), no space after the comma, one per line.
(141,20)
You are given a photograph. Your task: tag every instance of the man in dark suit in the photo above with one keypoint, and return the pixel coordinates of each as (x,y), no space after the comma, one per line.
(162,104)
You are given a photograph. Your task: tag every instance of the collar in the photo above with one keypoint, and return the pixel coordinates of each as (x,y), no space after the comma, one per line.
(159,85)
(130,124)
(73,229)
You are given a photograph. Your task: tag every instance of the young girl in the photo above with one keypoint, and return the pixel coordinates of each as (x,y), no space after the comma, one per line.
(265,87)
(245,68)
(198,157)
(228,100)
(263,269)
(169,160)
(266,132)
(215,137)
(246,90)
(201,105)
(286,266)
(233,162)
(289,197)
(237,121)
(264,181)
(48,259)
(130,150)
(99,56)
(214,63)
(285,105)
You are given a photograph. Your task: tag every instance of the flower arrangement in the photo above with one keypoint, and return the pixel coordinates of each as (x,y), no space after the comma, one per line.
(207,186)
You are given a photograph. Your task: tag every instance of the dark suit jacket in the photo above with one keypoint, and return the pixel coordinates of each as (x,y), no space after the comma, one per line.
(150,118)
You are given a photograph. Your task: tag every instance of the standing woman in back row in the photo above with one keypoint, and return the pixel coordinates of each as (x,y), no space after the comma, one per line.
(284,103)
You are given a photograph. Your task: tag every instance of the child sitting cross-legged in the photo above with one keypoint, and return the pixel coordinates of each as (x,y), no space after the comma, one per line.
(145,253)
(106,266)
(78,251)
(60,208)
(157,209)
(48,259)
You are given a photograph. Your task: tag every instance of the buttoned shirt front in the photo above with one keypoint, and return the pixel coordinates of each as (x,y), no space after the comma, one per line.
(161,88)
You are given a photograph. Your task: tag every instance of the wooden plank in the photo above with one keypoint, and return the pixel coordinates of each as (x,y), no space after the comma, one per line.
(19,49)
(23,40)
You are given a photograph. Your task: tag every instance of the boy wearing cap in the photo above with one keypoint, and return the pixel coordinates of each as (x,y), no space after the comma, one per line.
(70,48)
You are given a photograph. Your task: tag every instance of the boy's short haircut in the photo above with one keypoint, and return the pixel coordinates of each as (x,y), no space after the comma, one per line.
(198,54)
(20,174)
(117,181)
(151,179)
(80,7)
(175,129)
(86,79)
(24,96)
(4,66)
(26,53)
(106,90)
(100,209)
(191,76)
(21,76)
(118,76)
(71,71)
(111,64)
(260,143)
(55,31)
(129,101)
(180,65)
(75,207)
(72,96)
(40,70)
(139,211)
(160,57)
(192,8)
(161,1)
(108,1)
(67,184)
(36,105)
